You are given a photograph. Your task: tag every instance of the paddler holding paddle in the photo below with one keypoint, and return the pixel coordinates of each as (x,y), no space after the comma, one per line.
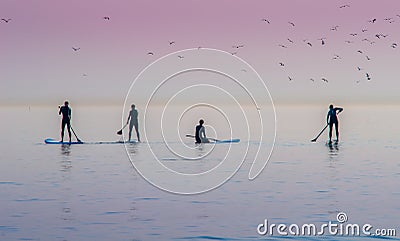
(66,119)
(332,119)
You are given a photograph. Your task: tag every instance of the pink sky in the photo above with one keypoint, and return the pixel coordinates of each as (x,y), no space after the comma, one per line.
(38,65)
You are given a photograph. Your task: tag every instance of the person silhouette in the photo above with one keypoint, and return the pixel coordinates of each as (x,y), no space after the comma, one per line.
(66,119)
(133,117)
(200,134)
(332,119)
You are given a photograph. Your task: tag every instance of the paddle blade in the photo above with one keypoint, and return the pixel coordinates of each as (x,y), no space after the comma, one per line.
(119,132)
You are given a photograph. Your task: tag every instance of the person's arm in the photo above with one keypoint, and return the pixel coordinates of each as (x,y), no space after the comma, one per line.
(327,118)
(338,109)
(59,110)
(129,116)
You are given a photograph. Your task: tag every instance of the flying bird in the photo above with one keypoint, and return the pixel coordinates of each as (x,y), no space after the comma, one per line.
(150,53)
(345,6)
(171,42)
(394,45)
(238,46)
(309,44)
(76,49)
(291,23)
(372,20)
(368,77)
(265,20)
(388,19)
(281,64)
(290,79)
(283,46)
(322,40)
(368,58)
(336,57)
(325,80)
(364,30)
(106,18)
(359,69)
(334,28)
(312,79)
(291,41)
(180,56)
(6,20)
(359,51)
(353,34)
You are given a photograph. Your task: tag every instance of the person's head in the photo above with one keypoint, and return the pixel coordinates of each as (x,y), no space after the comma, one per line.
(66,103)
(133,106)
(201,122)
(331,106)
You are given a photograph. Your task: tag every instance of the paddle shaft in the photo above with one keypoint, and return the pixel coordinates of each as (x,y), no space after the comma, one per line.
(315,139)
(75,134)
(192,136)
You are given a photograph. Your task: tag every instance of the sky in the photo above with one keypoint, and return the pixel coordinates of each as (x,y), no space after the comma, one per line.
(39,66)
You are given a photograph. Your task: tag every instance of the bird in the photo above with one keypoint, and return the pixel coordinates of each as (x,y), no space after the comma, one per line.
(378,36)
(325,80)
(312,79)
(365,39)
(368,58)
(281,64)
(6,20)
(291,41)
(359,69)
(171,42)
(76,49)
(348,41)
(283,46)
(359,51)
(368,77)
(238,46)
(291,23)
(345,6)
(336,56)
(388,19)
(150,53)
(309,44)
(322,40)
(106,18)
(265,20)
(394,45)
(353,34)
(364,30)
(334,28)
(180,56)
(372,20)
(290,79)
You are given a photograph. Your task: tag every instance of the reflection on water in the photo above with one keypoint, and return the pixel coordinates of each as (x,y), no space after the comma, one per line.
(65,149)
(333,148)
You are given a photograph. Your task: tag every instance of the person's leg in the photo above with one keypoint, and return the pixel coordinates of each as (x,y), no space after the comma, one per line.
(330,131)
(130,130)
(137,131)
(69,130)
(62,130)
(337,130)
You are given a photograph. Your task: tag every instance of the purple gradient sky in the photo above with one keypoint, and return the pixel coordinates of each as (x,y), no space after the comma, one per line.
(38,65)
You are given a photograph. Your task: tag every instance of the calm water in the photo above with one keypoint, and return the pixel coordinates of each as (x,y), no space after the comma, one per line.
(92,192)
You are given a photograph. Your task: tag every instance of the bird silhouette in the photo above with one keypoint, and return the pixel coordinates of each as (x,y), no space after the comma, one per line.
(309,44)
(353,34)
(312,79)
(281,64)
(150,53)
(291,23)
(336,56)
(372,20)
(283,46)
(290,78)
(322,40)
(6,20)
(76,49)
(325,80)
(265,20)
(359,69)
(364,30)
(106,18)
(180,56)
(171,42)
(334,28)
(394,45)
(238,46)
(368,58)
(359,51)
(388,19)
(368,77)
(291,41)
(345,6)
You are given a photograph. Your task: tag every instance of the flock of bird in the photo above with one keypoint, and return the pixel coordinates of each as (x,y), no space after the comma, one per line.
(322,40)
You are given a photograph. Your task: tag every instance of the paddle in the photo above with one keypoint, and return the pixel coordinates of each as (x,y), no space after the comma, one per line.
(120,131)
(75,134)
(315,139)
(192,136)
